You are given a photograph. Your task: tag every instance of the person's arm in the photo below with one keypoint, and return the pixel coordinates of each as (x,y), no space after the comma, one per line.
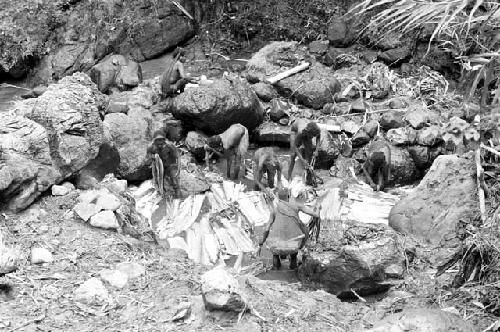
(268,227)
(318,142)
(308,210)
(278,171)
(150,152)
(296,149)
(367,174)
(180,69)
(178,158)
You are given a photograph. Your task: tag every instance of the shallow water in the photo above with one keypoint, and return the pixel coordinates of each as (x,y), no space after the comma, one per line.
(8,94)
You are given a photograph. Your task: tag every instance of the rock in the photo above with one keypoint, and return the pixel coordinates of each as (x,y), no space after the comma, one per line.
(105,219)
(59,190)
(131,269)
(39,90)
(114,185)
(107,161)
(392,119)
(108,201)
(397,103)
(70,186)
(342,165)
(403,169)
(358,106)
(446,194)
(318,47)
(424,156)
(360,263)
(264,91)
(215,107)
(329,150)
(116,71)
(86,210)
(174,130)
(371,128)
(195,142)
(349,127)
(40,256)
(338,35)
(191,183)
(10,258)
(271,133)
(339,58)
(402,136)
(115,278)
(221,291)
(279,109)
(360,138)
(422,320)
(395,56)
(47,139)
(313,87)
(92,292)
(284,121)
(420,117)
(117,105)
(429,136)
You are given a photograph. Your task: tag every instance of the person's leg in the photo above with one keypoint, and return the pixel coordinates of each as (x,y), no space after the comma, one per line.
(174,181)
(276,262)
(237,164)
(229,162)
(270,178)
(293,261)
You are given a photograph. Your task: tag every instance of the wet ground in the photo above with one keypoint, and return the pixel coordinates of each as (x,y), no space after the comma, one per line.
(8,94)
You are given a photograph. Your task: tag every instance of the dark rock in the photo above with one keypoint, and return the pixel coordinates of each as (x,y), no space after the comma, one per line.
(360,138)
(392,119)
(195,142)
(402,136)
(358,106)
(359,260)
(116,71)
(429,136)
(371,128)
(264,91)
(279,109)
(271,133)
(369,56)
(395,56)
(28,94)
(340,58)
(424,156)
(48,139)
(328,109)
(313,87)
(174,130)
(431,212)
(330,148)
(106,162)
(338,33)
(215,107)
(318,47)
(403,169)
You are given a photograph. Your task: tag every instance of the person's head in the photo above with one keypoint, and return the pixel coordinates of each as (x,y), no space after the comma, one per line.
(378,159)
(178,52)
(215,142)
(159,138)
(311,130)
(283,194)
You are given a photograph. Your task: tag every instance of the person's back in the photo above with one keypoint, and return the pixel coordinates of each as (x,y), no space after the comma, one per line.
(286,235)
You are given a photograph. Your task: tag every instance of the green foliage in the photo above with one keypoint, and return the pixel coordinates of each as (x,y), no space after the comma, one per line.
(469,29)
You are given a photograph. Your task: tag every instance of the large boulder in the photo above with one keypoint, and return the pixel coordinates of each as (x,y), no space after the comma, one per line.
(339,32)
(433,209)
(221,291)
(48,139)
(422,320)
(270,133)
(358,257)
(195,142)
(419,117)
(214,108)
(116,71)
(313,87)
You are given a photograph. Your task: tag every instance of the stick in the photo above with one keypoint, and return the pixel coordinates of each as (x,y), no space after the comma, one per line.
(287,73)
(480,191)
(357,295)
(178,5)
(487,148)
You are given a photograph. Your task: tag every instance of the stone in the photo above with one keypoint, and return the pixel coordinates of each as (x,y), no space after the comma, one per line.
(116,71)
(397,103)
(117,106)
(105,219)
(10,258)
(108,201)
(114,185)
(318,47)
(329,149)
(107,161)
(312,88)
(68,114)
(279,109)
(284,121)
(392,119)
(92,292)
(349,127)
(68,185)
(429,136)
(395,56)
(216,107)
(339,58)
(266,92)
(59,190)
(195,142)
(360,138)
(402,136)
(40,256)
(337,33)
(371,128)
(420,117)
(431,212)
(424,156)
(114,278)
(272,133)
(39,90)
(86,210)
(358,106)
(221,291)
(380,87)
(174,130)
(131,269)
(403,169)
(422,320)
(360,263)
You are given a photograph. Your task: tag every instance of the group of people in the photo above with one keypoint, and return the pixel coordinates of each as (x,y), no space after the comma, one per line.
(285,233)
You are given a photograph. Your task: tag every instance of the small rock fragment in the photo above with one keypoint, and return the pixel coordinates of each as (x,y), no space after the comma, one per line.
(40,256)
(115,278)
(59,190)
(86,210)
(108,201)
(221,291)
(68,185)
(105,219)
(92,292)
(131,269)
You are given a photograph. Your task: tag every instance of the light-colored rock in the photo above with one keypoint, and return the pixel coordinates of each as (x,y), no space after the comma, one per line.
(402,136)
(92,292)
(86,210)
(221,291)
(68,185)
(350,127)
(272,133)
(115,278)
(105,219)
(429,136)
(40,256)
(118,71)
(131,269)
(114,185)
(195,142)
(59,190)
(108,201)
